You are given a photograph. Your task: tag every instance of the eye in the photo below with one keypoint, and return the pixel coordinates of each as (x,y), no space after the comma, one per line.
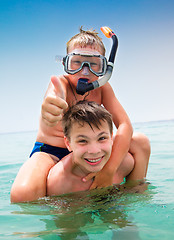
(93,64)
(76,62)
(102,138)
(82,141)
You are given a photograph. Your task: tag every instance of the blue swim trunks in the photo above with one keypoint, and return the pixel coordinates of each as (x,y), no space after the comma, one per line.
(56,151)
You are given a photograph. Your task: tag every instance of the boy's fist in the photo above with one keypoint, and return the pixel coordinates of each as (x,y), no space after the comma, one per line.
(54,103)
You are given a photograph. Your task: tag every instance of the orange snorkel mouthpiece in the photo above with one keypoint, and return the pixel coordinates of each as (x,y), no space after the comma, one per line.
(107,32)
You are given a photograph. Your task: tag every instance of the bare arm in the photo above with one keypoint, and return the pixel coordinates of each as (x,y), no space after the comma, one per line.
(122,139)
(124,129)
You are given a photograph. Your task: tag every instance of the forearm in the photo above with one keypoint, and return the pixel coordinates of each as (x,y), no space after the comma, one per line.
(120,148)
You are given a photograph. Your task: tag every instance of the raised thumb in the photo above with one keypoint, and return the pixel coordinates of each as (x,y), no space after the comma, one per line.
(58,87)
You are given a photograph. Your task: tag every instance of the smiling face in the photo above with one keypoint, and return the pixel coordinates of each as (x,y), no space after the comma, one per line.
(91,146)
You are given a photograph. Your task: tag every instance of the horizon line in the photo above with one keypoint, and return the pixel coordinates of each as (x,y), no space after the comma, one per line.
(29,131)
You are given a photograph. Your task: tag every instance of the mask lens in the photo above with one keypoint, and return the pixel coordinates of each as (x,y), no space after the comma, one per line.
(96,64)
(74,62)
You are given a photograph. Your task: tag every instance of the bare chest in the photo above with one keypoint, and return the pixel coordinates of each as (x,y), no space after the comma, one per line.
(73,97)
(79,185)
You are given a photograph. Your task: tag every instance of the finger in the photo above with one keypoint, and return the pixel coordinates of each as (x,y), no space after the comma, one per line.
(52,101)
(51,117)
(88,177)
(51,120)
(93,186)
(58,86)
(51,105)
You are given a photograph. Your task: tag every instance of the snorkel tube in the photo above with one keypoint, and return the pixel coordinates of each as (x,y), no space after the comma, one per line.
(83,86)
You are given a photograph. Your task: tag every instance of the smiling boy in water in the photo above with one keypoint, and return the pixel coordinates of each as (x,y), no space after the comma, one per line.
(31,181)
(88,134)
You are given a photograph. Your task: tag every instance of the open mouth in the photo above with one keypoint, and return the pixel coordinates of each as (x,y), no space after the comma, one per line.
(94,161)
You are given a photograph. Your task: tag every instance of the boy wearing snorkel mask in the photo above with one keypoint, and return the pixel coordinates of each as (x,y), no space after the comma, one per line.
(85,62)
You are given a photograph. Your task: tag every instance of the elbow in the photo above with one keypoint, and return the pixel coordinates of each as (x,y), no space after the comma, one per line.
(17,195)
(128,129)
(23,193)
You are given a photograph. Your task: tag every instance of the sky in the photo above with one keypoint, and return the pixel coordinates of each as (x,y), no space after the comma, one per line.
(33,32)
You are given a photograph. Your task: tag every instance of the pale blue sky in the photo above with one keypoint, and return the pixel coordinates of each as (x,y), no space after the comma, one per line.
(33,32)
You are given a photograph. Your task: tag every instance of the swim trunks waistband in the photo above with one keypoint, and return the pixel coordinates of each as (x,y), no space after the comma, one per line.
(56,151)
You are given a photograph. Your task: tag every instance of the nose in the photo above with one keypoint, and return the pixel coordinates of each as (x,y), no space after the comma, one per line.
(94,148)
(85,70)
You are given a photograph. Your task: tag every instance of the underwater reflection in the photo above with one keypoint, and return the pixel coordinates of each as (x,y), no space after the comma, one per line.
(84,214)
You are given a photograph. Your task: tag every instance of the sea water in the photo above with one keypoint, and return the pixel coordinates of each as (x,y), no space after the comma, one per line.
(99,214)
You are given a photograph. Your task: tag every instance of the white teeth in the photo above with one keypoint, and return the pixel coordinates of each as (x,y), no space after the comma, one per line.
(93,160)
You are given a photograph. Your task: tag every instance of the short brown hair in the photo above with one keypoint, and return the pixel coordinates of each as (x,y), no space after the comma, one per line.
(86,112)
(86,38)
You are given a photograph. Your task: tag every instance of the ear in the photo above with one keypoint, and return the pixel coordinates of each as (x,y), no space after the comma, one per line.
(67,143)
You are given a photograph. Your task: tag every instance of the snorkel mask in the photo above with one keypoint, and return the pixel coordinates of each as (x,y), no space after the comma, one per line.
(97,64)
(74,62)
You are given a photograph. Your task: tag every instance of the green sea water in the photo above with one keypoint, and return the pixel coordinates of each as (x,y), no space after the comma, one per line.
(99,214)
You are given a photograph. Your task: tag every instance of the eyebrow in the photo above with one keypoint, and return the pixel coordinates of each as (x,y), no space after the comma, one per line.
(84,136)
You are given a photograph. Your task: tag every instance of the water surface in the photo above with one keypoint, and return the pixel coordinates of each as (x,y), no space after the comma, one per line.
(100,214)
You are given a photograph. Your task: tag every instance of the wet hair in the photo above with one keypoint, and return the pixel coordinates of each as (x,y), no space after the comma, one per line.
(86,112)
(86,38)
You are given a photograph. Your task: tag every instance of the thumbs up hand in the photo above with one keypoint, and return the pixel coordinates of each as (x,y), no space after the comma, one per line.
(54,103)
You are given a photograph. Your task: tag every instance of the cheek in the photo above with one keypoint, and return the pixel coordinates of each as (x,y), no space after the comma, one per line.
(107,147)
(74,79)
(79,150)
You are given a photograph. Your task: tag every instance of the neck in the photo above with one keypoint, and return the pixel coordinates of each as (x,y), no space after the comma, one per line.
(78,171)
(73,89)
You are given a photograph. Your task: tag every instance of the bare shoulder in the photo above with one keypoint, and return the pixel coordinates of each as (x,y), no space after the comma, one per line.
(107,89)
(108,96)
(57,181)
(112,104)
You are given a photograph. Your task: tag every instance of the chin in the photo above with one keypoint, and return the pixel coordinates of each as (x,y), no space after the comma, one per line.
(95,169)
